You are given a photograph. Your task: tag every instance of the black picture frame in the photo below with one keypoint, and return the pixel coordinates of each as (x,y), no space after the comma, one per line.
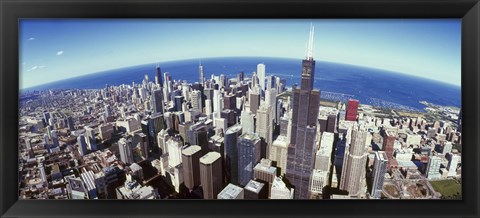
(12,10)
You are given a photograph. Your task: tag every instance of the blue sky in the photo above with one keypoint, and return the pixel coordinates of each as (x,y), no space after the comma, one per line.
(55,49)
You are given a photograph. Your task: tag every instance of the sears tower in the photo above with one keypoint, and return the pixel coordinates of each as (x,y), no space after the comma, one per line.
(301,151)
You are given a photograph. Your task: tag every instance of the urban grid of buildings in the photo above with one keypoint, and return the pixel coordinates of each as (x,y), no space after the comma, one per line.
(237,138)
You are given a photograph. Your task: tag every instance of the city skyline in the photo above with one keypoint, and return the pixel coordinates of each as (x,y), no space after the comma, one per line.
(237,137)
(424,48)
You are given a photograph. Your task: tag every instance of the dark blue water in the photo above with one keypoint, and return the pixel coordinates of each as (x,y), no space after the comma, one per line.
(370,86)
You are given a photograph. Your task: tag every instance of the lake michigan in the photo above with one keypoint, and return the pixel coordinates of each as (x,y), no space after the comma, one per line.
(370,86)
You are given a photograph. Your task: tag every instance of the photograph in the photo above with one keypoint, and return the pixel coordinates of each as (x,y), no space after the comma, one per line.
(255,109)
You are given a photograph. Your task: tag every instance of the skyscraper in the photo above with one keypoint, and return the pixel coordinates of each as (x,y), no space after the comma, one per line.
(200,73)
(157,101)
(264,126)
(301,151)
(378,174)
(191,166)
(388,142)
(82,145)
(231,153)
(211,174)
(174,145)
(249,155)
(197,100)
(352,108)
(125,150)
(354,163)
(261,75)
(433,167)
(158,76)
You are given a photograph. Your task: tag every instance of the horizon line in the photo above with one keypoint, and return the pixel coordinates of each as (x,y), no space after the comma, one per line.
(214,57)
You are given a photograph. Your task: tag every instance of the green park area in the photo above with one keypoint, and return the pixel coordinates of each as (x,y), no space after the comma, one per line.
(450,189)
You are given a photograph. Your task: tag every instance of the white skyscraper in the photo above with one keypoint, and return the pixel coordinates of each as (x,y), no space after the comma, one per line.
(324,154)
(265,125)
(247,122)
(197,100)
(280,190)
(174,151)
(208,107)
(261,75)
(125,150)
(433,167)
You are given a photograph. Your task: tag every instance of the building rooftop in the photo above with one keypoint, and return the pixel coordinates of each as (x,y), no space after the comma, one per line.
(254,186)
(235,128)
(231,191)
(210,157)
(190,150)
(250,137)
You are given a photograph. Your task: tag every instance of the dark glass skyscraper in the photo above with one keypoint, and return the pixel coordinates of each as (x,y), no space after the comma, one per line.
(301,151)
(158,76)
(157,101)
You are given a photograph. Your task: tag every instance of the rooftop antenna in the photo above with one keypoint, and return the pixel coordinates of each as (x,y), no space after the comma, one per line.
(310,42)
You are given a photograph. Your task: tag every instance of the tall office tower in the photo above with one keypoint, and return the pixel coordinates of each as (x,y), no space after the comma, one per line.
(354,163)
(231,153)
(270,83)
(197,100)
(280,190)
(331,123)
(211,174)
(339,156)
(200,73)
(433,167)
(320,179)
(279,153)
(178,103)
(378,174)
(229,102)
(264,126)
(208,107)
(352,108)
(46,117)
(55,138)
(231,191)
(271,102)
(156,122)
(157,101)
(249,151)
(107,111)
(217,102)
(265,172)
(301,151)
(90,137)
(261,75)
(125,150)
(141,140)
(247,122)
(388,142)
(324,154)
(191,166)
(162,137)
(82,145)
(174,145)
(253,101)
(255,190)
(158,76)
(71,124)
(453,160)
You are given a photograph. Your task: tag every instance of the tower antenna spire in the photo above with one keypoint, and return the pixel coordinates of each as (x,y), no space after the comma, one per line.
(310,42)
